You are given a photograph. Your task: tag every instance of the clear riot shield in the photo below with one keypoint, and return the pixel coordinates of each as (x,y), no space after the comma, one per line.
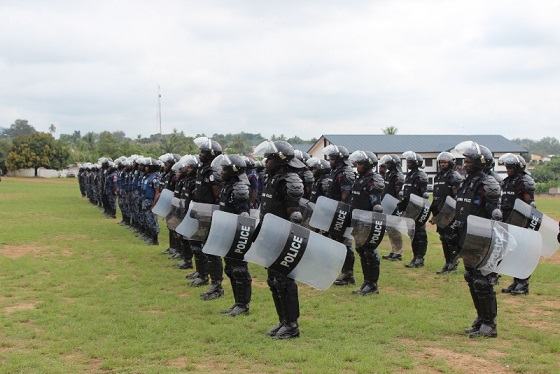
(368,228)
(173,219)
(231,235)
(418,209)
(196,224)
(299,253)
(332,216)
(493,246)
(446,215)
(389,204)
(524,215)
(306,208)
(163,205)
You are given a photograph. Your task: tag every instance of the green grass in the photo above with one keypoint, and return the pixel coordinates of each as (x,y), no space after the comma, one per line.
(79,293)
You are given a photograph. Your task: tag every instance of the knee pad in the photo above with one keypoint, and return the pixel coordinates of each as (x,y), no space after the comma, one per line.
(482,284)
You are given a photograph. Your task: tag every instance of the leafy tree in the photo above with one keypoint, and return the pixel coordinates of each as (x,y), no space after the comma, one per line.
(90,140)
(108,145)
(52,128)
(18,128)
(546,172)
(37,150)
(5,145)
(390,130)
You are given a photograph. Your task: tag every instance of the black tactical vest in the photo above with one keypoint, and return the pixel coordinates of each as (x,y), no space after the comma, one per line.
(204,192)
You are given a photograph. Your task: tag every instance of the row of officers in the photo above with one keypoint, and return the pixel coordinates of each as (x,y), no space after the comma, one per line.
(359,179)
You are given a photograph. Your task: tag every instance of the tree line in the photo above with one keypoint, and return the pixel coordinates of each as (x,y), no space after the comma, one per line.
(22,146)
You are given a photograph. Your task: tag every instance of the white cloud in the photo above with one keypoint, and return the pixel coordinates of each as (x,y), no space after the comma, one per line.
(294,67)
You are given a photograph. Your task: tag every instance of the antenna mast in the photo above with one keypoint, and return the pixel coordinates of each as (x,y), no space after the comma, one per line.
(159,112)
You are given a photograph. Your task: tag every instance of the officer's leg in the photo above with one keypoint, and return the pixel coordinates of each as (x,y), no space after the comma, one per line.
(371,274)
(200,265)
(347,275)
(216,271)
(470,281)
(274,289)
(488,306)
(288,292)
(242,280)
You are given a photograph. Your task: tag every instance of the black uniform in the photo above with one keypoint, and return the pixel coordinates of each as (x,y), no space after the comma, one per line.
(520,186)
(416,182)
(281,194)
(446,183)
(366,194)
(479,195)
(234,198)
(394,180)
(339,180)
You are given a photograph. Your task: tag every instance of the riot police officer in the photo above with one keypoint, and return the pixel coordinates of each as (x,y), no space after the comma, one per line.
(304,173)
(207,191)
(234,198)
(416,182)
(150,194)
(340,182)
(111,190)
(321,169)
(517,185)
(479,195)
(394,180)
(253,178)
(366,195)
(446,183)
(281,194)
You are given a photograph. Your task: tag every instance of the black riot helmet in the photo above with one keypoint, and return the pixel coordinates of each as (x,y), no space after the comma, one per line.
(188,162)
(280,151)
(367,158)
(233,165)
(209,148)
(249,162)
(392,161)
(482,157)
(302,156)
(414,158)
(446,156)
(322,166)
(509,160)
(337,154)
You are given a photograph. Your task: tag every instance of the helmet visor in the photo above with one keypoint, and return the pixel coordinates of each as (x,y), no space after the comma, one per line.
(358,156)
(265,148)
(508,159)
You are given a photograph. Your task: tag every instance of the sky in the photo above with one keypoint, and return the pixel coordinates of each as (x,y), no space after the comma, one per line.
(291,67)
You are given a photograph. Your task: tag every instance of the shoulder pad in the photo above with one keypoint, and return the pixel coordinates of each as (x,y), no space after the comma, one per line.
(379,182)
(492,189)
(308,176)
(349,173)
(294,185)
(423,177)
(528,183)
(400,177)
(455,178)
(241,192)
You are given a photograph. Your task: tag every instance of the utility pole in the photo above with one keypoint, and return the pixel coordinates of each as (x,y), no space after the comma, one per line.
(159,112)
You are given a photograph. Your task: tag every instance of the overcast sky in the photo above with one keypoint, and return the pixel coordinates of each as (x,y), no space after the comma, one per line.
(297,67)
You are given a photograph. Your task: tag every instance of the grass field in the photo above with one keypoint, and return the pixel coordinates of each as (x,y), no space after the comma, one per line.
(80,294)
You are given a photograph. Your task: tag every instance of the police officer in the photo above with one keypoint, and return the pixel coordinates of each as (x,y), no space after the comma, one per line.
(321,169)
(207,191)
(304,173)
(190,168)
(415,182)
(253,178)
(366,195)
(281,194)
(168,181)
(234,198)
(150,193)
(517,185)
(111,190)
(446,183)
(340,182)
(479,195)
(394,180)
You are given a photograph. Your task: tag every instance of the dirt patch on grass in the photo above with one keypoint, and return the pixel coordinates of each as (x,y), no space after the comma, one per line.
(555,304)
(18,307)
(13,251)
(179,362)
(460,360)
(554,259)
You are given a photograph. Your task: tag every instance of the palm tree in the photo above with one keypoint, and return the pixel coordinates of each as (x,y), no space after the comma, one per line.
(390,130)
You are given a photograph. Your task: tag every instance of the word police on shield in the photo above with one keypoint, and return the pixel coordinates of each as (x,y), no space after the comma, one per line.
(163,205)
(299,253)
(368,228)
(492,246)
(230,235)
(524,215)
(418,209)
(332,216)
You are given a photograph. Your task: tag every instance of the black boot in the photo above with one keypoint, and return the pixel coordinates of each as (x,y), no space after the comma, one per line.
(444,269)
(275,329)
(289,330)
(199,281)
(396,257)
(509,288)
(521,288)
(416,262)
(388,257)
(475,326)
(367,288)
(214,291)
(192,275)
(346,278)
